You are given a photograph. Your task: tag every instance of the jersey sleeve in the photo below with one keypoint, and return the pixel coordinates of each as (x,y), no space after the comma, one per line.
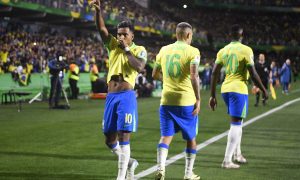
(142,54)
(249,58)
(195,58)
(111,42)
(219,58)
(158,59)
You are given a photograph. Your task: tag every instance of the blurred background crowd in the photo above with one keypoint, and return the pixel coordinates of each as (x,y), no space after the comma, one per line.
(31,45)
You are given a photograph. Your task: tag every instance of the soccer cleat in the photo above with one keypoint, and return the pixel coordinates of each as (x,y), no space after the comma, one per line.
(230,165)
(130,170)
(160,175)
(240,159)
(192,177)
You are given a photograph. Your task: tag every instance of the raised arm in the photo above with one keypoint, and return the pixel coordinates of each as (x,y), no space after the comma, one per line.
(213,83)
(99,20)
(196,86)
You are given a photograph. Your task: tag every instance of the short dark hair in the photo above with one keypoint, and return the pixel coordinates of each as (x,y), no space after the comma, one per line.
(236,31)
(126,24)
(181,29)
(184,25)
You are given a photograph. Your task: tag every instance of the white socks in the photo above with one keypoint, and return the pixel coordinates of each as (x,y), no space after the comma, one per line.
(232,140)
(123,161)
(238,151)
(116,149)
(190,157)
(162,154)
(123,153)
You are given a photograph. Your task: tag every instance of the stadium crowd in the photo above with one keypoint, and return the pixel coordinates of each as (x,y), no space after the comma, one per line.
(285,3)
(260,28)
(35,45)
(32,46)
(271,29)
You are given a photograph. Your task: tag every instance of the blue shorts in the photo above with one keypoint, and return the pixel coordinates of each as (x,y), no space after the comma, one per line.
(120,112)
(237,104)
(178,118)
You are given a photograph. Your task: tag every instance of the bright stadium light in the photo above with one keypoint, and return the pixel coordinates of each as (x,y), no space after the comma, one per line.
(184,6)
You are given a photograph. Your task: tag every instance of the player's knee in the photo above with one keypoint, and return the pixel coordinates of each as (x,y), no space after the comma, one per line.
(192,144)
(124,136)
(166,139)
(110,142)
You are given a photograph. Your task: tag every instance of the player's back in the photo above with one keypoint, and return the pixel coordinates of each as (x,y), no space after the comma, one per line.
(235,57)
(175,60)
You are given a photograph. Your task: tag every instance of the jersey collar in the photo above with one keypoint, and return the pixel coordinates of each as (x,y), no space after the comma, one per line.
(132,45)
(180,42)
(235,42)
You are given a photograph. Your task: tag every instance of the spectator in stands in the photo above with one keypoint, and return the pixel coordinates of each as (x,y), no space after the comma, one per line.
(4,54)
(142,86)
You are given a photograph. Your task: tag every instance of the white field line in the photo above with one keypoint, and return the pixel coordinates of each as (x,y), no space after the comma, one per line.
(216,138)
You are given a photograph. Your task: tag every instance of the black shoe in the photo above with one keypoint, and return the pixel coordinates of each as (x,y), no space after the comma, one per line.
(256,104)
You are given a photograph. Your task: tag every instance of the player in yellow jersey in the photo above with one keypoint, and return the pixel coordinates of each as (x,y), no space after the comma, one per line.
(120,116)
(238,61)
(180,102)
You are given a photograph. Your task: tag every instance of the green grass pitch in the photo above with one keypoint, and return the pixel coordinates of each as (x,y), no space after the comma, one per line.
(39,143)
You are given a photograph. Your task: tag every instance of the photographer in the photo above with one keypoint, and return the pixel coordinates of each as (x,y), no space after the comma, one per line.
(56,66)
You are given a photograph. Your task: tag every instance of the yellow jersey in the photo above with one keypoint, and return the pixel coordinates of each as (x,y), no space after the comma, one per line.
(235,57)
(118,60)
(3,56)
(175,60)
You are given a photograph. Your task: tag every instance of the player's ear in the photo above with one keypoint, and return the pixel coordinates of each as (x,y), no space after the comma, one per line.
(188,35)
(132,36)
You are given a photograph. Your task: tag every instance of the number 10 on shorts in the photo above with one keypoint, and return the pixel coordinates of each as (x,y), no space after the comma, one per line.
(128,118)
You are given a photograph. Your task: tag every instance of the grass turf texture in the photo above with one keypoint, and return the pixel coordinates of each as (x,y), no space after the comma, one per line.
(39,143)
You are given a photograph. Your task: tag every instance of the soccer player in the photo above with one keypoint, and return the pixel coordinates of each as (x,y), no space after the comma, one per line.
(126,59)
(238,61)
(180,102)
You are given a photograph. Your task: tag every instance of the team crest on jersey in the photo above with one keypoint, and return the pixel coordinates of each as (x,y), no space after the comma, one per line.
(142,54)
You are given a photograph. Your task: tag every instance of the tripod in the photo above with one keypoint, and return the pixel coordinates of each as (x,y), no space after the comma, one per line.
(56,87)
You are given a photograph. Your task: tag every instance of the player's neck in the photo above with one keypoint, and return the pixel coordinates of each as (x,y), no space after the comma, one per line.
(182,41)
(237,39)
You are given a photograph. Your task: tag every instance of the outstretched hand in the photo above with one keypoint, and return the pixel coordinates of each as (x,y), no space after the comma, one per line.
(213,103)
(96,4)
